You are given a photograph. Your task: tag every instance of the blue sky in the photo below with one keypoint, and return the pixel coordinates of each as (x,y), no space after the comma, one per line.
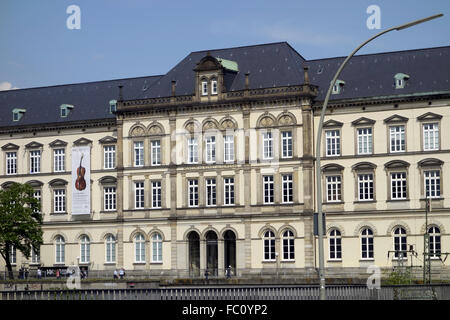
(132,38)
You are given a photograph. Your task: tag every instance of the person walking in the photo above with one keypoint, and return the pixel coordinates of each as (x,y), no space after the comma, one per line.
(122,273)
(116,274)
(228,272)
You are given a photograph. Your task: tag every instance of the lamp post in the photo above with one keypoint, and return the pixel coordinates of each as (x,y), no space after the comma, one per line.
(318,143)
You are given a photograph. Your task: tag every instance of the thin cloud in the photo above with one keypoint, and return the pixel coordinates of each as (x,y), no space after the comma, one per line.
(6,86)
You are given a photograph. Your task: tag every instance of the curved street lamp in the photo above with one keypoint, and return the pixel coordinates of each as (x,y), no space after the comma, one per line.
(318,143)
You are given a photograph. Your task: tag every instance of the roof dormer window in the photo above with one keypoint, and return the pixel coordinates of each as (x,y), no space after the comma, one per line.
(112,106)
(337,88)
(18,113)
(400,80)
(214,86)
(65,110)
(204,88)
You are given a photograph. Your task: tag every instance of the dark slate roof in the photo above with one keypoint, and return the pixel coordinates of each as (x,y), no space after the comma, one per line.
(90,100)
(372,75)
(269,65)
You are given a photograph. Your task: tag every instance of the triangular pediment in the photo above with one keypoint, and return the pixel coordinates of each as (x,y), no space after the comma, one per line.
(332,123)
(107,139)
(57,143)
(82,141)
(429,116)
(34,144)
(363,121)
(10,146)
(395,119)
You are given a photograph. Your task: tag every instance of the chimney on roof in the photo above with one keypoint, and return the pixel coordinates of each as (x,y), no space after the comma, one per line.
(246,80)
(174,82)
(305,71)
(120,93)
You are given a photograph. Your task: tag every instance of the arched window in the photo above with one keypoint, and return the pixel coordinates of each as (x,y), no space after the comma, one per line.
(110,249)
(400,243)
(367,244)
(288,245)
(139,245)
(269,245)
(435,241)
(59,250)
(85,248)
(335,245)
(156,248)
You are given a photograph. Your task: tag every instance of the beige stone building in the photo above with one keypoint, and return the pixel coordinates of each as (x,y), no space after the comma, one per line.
(212,164)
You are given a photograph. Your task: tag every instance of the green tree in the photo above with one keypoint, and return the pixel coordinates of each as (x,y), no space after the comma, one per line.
(20,222)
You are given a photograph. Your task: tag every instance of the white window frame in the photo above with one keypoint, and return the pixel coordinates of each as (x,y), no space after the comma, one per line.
(59,159)
(434,234)
(334,188)
(109,157)
(430,136)
(139,248)
(204,88)
(110,249)
(157,242)
(288,245)
(59,200)
(37,194)
(85,249)
(268,188)
(228,190)
(333,142)
(35,161)
(286,144)
(12,255)
(398,180)
(110,198)
(35,257)
(267,138)
(367,244)
(60,250)
(156,152)
(11,163)
(210,144)
(365,140)
(156,194)
(138,147)
(433,179)
(139,195)
(214,90)
(287,188)
(367,179)
(397,138)
(193,198)
(403,242)
(269,253)
(211,192)
(228,145)
(335,245)
(192,144)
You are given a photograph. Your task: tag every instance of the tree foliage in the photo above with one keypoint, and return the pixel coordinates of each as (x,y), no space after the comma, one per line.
(20,222)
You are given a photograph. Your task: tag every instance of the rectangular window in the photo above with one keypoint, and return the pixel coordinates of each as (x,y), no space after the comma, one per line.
(139,195)
(193,193)
(397,138)
(156,194)
(204,88)
(156,152)
(334,191)
(35,161)
(12,255)
(333,142)
(228,142)
(37,196)
(287,188)
(268,189)
(109,153)
(267,145)
(286,143)
(210,192)
(35,258)
(364,140)
(365,187)
(58,160)
(11,163)
(432,184)
(59,196)
(214,87)
(211,149)
(109,194)
(228,184)
(139,154)
(431,136)
(398,185)
(192,150)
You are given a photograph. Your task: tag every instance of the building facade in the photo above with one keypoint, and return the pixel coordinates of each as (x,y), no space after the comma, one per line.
(211,165)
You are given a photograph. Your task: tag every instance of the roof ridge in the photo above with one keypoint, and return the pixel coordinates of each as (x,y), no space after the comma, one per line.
(239,47)
(380,53)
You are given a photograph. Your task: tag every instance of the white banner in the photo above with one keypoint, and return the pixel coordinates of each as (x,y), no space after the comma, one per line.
(81,180)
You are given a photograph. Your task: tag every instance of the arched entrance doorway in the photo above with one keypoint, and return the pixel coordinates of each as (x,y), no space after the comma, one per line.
(194,254)
(230,250)
(211,253)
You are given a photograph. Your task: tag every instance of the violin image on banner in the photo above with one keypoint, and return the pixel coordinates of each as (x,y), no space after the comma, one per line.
(80,184)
